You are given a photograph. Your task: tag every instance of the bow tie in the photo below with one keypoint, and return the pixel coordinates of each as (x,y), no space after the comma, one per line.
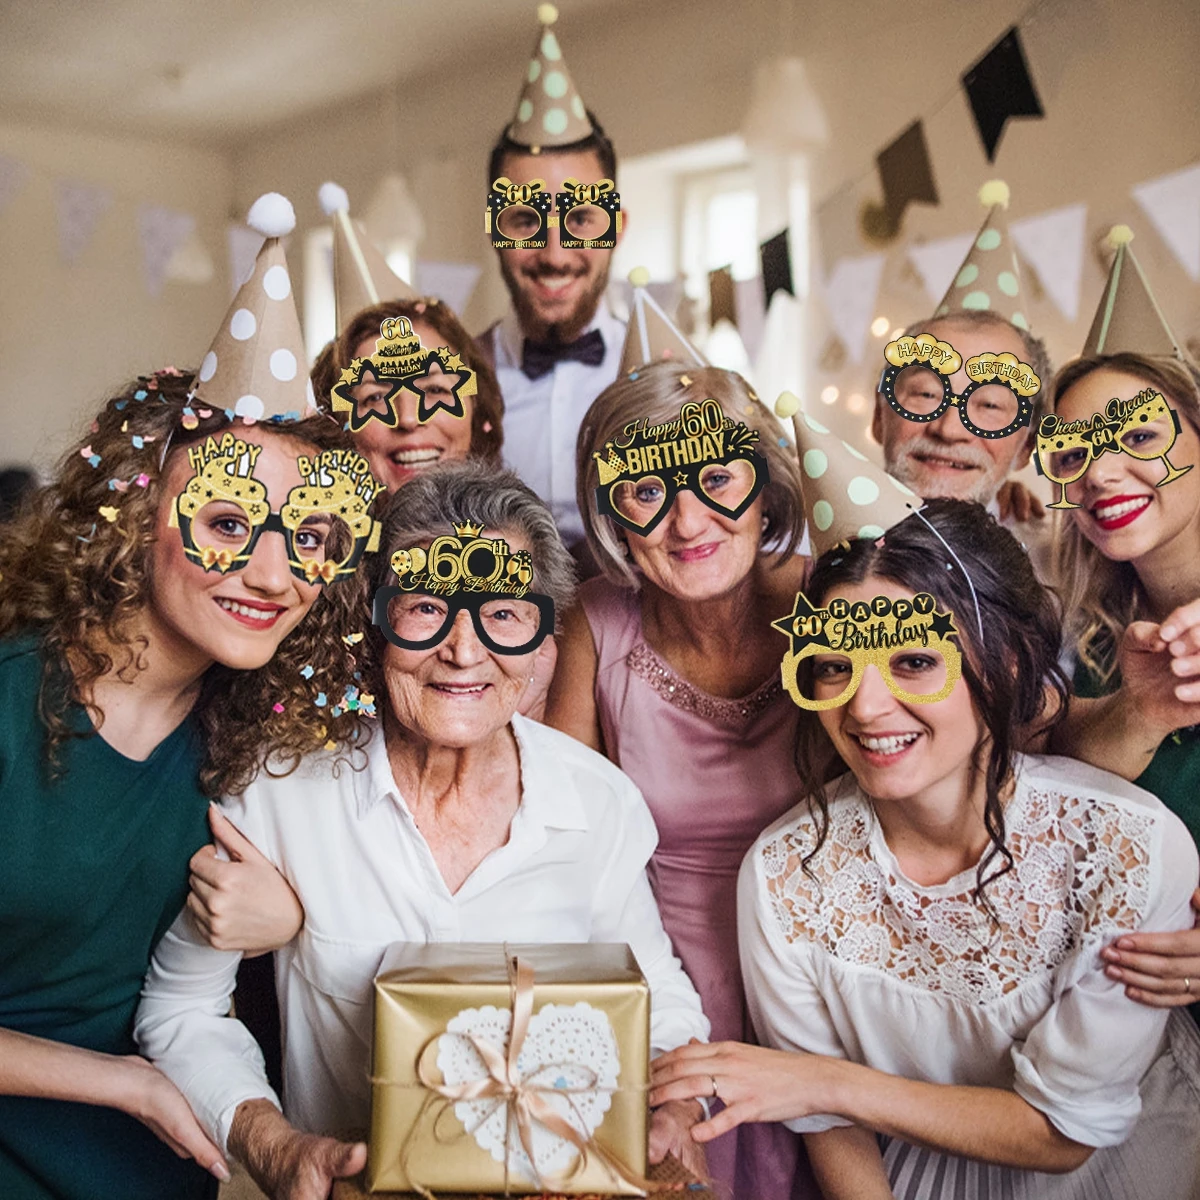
(540,358)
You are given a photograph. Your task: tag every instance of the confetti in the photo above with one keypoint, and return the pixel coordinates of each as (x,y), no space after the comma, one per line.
(95,426)
(87,451)
(118,485)
(352,639)
(321,700)
(336,711)
(686,380)
(138,441)
(140,394)
(120,405)
(307,671)
(331,744)
(124,426)
(189,420)
(204,413)
(143,480)
(109,513)
(277,707)
(90,536)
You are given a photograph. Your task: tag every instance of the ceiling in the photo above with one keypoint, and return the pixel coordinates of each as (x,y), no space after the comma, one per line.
(217,71)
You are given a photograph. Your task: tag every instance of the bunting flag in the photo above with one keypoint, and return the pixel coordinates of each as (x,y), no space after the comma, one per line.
(161,232)
(12,179)
(1052,243)
(937,262)
(850,293)
(751,313)
(244,244)
(452,283)
(80,207)
(1172,202)
(776,259)
(906,175)
(998,87)
(721,304)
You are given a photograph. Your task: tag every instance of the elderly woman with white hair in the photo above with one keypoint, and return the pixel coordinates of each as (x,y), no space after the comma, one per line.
(461,821)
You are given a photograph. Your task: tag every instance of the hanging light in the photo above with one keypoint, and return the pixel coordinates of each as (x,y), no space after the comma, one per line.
(393,219)
(785,114)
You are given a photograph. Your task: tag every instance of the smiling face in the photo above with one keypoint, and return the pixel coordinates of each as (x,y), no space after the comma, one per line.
(1123,512)
(898,750)
(458,693)
(397,454)
(694,553)
(238,618)
(554,291)
(943,458)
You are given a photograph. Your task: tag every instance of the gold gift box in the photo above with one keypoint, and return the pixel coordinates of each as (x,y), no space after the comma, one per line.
(418,1141)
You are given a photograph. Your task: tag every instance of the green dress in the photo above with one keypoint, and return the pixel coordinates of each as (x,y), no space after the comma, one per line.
(93,869)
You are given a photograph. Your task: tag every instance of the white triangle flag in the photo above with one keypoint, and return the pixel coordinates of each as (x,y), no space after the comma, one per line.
(937,262)
(1053,243)
(80,207)
(12,179)
(850,293)
(1172,202)
(452,283)
(161,232)
(751,312)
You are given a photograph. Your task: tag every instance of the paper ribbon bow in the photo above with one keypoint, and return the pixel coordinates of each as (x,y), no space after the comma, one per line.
(326,571)
(525,1099)
(221,559)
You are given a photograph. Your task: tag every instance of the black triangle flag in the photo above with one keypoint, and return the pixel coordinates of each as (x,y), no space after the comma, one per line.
(999,86)
(721,304)
(906,175)
(776,262)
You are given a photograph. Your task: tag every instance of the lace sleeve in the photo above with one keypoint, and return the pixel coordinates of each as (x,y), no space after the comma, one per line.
(1082,1062)
(786,1005)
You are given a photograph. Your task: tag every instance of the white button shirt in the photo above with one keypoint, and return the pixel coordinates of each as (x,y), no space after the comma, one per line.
(542,416)
(572,870)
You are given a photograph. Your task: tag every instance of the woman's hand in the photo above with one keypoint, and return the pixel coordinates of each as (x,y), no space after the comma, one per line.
(1015,500)
(243,903)
(154,1100)
(670,1133)
(288,1164)
(1181,632)
(754,1083)
(1161,970)
(1160,672)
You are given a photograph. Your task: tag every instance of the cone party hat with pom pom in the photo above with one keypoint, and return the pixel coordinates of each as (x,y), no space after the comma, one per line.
(256,365)
(845,494)
(652,335)
(361,275)
(989,278)
(1128,317)
(550,111)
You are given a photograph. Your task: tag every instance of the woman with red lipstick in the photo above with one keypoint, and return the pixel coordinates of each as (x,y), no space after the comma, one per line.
(137,684)
(921,935)
(400,453)
(1129,562)
(669,666)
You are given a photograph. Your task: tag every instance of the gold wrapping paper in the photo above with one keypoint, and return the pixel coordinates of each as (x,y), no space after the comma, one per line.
(418,1141)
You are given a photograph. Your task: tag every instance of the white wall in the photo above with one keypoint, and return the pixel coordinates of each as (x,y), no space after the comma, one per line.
(71,332)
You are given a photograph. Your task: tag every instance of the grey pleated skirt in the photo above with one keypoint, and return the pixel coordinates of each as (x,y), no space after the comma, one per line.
(1159,1161)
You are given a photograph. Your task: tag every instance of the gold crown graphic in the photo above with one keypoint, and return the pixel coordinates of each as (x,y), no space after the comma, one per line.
(468,529)
(610,467)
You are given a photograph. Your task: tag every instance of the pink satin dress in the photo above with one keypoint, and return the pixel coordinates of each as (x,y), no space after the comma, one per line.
(715,774)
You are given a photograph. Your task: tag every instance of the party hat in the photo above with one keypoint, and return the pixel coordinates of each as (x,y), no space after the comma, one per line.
(1128,317)
(652,335)
(361,275)
(989,277)
(255,365)
(845,494)
(550,111)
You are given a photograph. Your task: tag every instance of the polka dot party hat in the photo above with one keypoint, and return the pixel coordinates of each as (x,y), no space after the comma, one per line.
(256,366)
(845,494)
(361,275)
(989,277)
(1128,317)
(550,111)
(652,335)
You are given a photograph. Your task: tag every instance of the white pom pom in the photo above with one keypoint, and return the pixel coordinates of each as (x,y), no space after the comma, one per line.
(788,404)
(639,277)
(333,198)
(272,215)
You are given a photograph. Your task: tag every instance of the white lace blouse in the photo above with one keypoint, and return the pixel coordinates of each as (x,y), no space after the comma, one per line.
(858,962)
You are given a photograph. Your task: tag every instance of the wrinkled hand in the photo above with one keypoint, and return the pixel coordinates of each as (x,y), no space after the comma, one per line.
(533,699)
(754,1083)
(288,1164)
(670,1133)
(1161,970)
(155,1101)
(1017,502)
(243,904)
(1160,676)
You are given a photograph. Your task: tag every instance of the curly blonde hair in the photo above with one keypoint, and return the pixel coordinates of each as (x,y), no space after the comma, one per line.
(487,416)
(1101,597)
(79,581)
(656,393)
